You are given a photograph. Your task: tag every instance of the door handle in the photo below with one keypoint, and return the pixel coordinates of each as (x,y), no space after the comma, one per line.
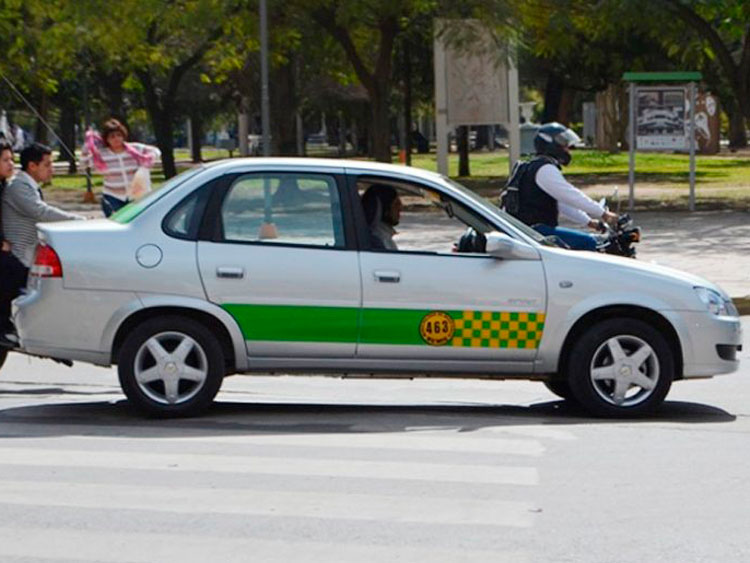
(230,272)
(387,276)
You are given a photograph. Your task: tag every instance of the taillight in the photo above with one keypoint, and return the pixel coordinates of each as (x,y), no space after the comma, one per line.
(46,262)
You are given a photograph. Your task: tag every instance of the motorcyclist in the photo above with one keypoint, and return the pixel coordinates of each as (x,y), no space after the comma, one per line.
(544,193)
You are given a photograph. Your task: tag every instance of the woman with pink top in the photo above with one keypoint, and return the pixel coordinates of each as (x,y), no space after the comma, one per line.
(118,161)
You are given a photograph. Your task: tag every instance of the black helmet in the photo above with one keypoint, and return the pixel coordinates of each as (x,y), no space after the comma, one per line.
(554,140)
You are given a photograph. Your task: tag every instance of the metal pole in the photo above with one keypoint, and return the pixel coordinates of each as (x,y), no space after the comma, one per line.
(631,141)
(441,108)
(691,205)
(514,130)
(265,108)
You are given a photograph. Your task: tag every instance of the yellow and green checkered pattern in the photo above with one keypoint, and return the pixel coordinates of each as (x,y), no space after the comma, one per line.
(491,329)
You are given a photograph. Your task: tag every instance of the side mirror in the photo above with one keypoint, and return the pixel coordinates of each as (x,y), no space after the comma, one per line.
(502,246)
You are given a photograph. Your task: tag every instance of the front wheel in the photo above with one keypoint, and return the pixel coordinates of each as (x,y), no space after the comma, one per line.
(171,366)
(559,387)
(620,367)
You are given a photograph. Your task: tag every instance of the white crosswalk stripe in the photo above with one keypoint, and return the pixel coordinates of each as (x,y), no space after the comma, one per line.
(127,494)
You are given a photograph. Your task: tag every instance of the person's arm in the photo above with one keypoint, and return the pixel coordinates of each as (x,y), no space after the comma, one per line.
(149,150)
(574,214)
(26,200)
(551,181)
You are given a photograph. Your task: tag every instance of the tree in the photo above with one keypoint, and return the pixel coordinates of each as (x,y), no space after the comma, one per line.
(723,27)
(158,42)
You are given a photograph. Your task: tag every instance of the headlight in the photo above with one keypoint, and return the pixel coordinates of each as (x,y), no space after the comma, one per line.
(715,303)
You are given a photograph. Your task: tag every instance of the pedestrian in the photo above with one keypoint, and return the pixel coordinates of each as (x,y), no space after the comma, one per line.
(125,166)
(23,206)
(12,272)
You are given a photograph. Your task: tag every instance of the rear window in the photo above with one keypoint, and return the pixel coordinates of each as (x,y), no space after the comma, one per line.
(135,208)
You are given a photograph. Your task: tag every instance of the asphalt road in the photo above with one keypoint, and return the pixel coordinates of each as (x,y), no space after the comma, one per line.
(322,469)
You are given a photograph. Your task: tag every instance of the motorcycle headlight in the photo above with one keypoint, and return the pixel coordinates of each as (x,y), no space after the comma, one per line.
(715,302)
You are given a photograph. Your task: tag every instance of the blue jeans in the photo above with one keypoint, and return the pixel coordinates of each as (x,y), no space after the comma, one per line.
(111,204)
(577,240)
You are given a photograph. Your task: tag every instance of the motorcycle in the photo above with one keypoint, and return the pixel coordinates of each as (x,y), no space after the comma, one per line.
(617,240)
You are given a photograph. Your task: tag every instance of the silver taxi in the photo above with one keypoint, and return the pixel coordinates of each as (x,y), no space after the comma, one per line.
(269,265)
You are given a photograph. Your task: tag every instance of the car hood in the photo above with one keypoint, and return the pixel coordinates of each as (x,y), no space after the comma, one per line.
(615,274)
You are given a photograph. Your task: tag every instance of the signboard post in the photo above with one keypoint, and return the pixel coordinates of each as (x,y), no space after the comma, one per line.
(662,117)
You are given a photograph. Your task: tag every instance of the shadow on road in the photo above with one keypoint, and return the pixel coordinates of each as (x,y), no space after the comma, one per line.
(225,418)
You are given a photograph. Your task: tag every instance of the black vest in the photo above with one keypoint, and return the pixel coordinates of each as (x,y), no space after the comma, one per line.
(535,205)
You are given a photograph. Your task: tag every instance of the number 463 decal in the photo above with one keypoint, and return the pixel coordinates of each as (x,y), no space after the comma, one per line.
(437,328)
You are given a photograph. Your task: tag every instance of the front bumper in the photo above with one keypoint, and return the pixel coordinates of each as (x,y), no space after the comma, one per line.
(702,337)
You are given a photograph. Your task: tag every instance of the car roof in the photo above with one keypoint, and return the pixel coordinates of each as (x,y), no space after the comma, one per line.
(359,166)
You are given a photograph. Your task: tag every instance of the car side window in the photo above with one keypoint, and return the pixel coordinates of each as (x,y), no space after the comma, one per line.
(287,208)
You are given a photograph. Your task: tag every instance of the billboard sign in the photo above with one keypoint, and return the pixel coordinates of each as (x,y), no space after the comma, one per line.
(661,118)
(476,75)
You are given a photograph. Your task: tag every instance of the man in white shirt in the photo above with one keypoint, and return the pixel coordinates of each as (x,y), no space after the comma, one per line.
(544,194)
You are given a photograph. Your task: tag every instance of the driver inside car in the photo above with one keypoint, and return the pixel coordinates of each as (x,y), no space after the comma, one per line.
(382,206)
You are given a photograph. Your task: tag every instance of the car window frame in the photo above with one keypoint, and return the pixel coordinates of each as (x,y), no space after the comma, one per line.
(203,194)
(363,231)
(211,225)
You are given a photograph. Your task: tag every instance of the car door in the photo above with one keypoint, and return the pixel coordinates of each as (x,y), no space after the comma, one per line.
(431,303)
(279,262)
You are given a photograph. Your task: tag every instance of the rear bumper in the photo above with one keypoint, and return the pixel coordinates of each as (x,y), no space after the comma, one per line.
(62,323)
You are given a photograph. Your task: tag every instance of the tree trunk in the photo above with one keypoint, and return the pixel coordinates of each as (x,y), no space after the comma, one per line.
(737,134)
(463,150)
(41,134)
(196,137)
(162,124)
(553,94)
(283,111)
(68,134)
(381,128)
(611,118)
(407,102)
(159,108)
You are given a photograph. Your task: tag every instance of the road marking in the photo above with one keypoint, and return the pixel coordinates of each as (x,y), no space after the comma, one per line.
(455,473)
(425,441)
(195,500)
(147,548)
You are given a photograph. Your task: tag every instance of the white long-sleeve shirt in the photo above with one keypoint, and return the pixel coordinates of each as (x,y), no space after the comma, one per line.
(572,203)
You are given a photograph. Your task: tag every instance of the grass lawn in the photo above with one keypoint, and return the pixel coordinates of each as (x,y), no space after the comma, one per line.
(662,180)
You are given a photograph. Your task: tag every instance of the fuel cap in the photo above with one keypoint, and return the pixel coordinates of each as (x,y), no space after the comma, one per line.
(148,255)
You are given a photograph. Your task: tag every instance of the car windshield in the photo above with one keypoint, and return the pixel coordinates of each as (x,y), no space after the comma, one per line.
(491,207)
(135,208)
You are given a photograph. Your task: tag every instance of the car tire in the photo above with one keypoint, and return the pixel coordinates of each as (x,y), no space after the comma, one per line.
(171,367)
(3,356)
(620,368)
(559,387)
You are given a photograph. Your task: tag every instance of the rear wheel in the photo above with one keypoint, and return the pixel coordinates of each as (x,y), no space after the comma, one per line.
(171,366)
(620,367)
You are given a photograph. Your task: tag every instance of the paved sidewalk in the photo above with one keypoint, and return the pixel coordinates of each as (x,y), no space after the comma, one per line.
(711,244)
